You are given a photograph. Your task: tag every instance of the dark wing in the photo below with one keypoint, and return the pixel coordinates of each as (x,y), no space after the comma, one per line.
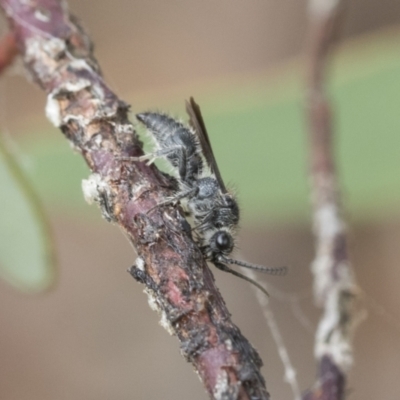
(197,123)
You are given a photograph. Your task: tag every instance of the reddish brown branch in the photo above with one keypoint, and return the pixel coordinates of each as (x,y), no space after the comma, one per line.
(334,284)
(8,51)
(58,54)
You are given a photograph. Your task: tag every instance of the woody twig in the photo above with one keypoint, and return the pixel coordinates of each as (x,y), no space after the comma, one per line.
(334,284)
(59,56)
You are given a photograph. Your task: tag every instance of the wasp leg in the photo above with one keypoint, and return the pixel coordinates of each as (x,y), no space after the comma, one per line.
(151,157)
(175,199)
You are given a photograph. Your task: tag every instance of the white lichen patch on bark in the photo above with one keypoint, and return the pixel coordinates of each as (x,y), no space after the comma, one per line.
(222,385)
(93,188)
(42,15)
(52,47)
(322,269)
(123,128)
(334,334)
(228,344)
(152,300)
(79,64)
(50,51)
(75,86)
(223,388)
(335,288)
(166,324)
(139,189)
(155,306)
(53,112)
(328,223)
(53,109)
(327,226)
(98,139)
(140,264)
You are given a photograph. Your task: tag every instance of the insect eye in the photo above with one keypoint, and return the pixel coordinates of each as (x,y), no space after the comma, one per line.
(223,241)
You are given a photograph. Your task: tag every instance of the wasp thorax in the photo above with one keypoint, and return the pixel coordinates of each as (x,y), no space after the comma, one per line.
(207,188)
(229,211)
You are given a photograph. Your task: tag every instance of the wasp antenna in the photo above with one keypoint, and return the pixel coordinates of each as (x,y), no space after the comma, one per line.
(225,268)
(268,270)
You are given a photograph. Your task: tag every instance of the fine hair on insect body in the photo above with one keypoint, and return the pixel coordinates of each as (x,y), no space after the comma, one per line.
(202,192)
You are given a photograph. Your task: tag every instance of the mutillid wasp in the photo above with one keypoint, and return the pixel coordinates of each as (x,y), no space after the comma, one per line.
(202,191)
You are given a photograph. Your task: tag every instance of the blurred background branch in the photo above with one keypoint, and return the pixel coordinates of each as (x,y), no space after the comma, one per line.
(334,284)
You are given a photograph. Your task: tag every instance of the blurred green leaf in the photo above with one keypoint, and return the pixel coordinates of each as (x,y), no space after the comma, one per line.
(57,169)
(260,135)
(258,131)
(26,251)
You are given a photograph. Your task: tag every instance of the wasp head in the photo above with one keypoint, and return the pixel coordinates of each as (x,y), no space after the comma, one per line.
(221,243)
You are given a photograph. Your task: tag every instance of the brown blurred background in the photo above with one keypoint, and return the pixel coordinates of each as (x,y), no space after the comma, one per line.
(94,336)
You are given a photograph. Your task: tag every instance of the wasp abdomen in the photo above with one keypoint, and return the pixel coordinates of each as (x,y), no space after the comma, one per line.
(177,143)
